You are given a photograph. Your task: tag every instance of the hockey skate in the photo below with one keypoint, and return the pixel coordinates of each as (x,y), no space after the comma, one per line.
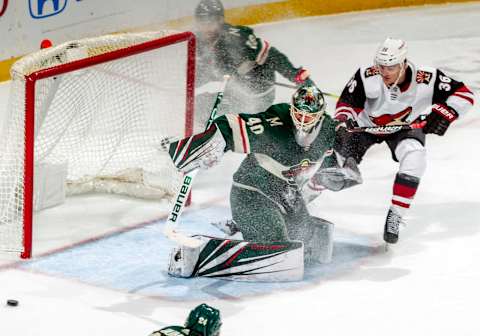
(392,226)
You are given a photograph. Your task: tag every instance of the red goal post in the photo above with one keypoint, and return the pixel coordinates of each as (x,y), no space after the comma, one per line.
(93,112)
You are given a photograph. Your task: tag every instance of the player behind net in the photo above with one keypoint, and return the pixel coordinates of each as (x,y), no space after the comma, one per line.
(289,151)
(394,91)
(251,61)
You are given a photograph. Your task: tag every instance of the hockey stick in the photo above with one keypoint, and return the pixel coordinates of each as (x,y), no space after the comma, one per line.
(181,196)
(389,129)
(291,86)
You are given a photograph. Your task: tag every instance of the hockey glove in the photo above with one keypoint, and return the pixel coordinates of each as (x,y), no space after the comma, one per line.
(302,78)
(439,119)
(203,150)
(312,190)
(336,179)
(345,121)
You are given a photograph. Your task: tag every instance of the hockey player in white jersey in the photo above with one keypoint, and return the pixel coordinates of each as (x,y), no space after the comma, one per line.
(394,91)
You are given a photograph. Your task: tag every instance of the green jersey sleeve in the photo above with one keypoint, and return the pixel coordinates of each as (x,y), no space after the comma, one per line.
(255,133)
(258,51)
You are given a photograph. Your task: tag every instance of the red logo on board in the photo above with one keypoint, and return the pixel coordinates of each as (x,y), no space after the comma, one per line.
(3,8)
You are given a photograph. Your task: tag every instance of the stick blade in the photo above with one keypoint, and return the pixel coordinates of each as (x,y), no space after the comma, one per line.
(181,238)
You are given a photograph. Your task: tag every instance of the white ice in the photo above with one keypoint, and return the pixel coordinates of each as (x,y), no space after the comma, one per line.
(428,284)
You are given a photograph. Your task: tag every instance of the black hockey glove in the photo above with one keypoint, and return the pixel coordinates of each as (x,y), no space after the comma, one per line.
(439,119)
(345,124)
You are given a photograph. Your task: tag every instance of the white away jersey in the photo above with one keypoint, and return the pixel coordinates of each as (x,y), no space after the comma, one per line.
(371,103)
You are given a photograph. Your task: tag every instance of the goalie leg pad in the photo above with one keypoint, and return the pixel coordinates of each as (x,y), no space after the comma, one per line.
(317,236)
(239,260)
(257,217)
(320,245)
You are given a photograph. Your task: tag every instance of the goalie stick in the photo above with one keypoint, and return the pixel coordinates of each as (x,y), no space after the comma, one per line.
(181,196)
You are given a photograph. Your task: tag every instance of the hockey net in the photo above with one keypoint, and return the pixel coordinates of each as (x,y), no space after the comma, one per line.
(89,116)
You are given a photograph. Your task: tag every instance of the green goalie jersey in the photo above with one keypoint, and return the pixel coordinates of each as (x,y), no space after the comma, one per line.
(275,165)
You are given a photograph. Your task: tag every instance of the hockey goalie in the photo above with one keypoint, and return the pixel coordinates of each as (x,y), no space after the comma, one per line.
(289,161)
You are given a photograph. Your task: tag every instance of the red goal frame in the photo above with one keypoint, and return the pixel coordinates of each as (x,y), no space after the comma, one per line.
(77,65)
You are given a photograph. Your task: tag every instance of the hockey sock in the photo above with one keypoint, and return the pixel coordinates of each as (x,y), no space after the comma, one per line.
(404,189)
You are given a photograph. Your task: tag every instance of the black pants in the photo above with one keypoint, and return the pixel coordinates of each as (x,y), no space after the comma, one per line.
(356,144)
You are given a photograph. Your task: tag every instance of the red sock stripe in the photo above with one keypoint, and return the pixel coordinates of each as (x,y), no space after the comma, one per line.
(403,190)
(401,204)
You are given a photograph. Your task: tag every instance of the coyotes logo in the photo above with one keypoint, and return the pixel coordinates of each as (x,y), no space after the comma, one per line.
(392,119)
(423,77)
(372,71)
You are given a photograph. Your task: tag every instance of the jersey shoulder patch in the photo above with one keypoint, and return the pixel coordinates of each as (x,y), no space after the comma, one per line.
(423,77)
(371,80)
(371,71)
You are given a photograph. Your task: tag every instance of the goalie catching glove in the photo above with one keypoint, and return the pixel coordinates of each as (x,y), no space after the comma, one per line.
(334,179)
(203,150)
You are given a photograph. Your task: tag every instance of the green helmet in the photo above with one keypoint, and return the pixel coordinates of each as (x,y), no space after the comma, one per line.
(204,321)
(307,107)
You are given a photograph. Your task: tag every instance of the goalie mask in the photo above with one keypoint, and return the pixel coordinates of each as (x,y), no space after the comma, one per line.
(307,111)
(204,321)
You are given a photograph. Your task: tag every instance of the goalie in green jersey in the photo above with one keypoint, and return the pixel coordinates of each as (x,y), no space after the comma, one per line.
(290,159)
(203,320)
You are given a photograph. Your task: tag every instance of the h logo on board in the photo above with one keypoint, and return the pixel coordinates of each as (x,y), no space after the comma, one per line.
(45,8)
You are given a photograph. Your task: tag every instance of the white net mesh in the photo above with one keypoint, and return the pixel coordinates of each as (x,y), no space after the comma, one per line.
(104,122)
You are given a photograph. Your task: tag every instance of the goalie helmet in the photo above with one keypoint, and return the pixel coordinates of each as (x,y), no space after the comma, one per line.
(204,321)
(307,107)
(307,110)
(391,52)
(209,10)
